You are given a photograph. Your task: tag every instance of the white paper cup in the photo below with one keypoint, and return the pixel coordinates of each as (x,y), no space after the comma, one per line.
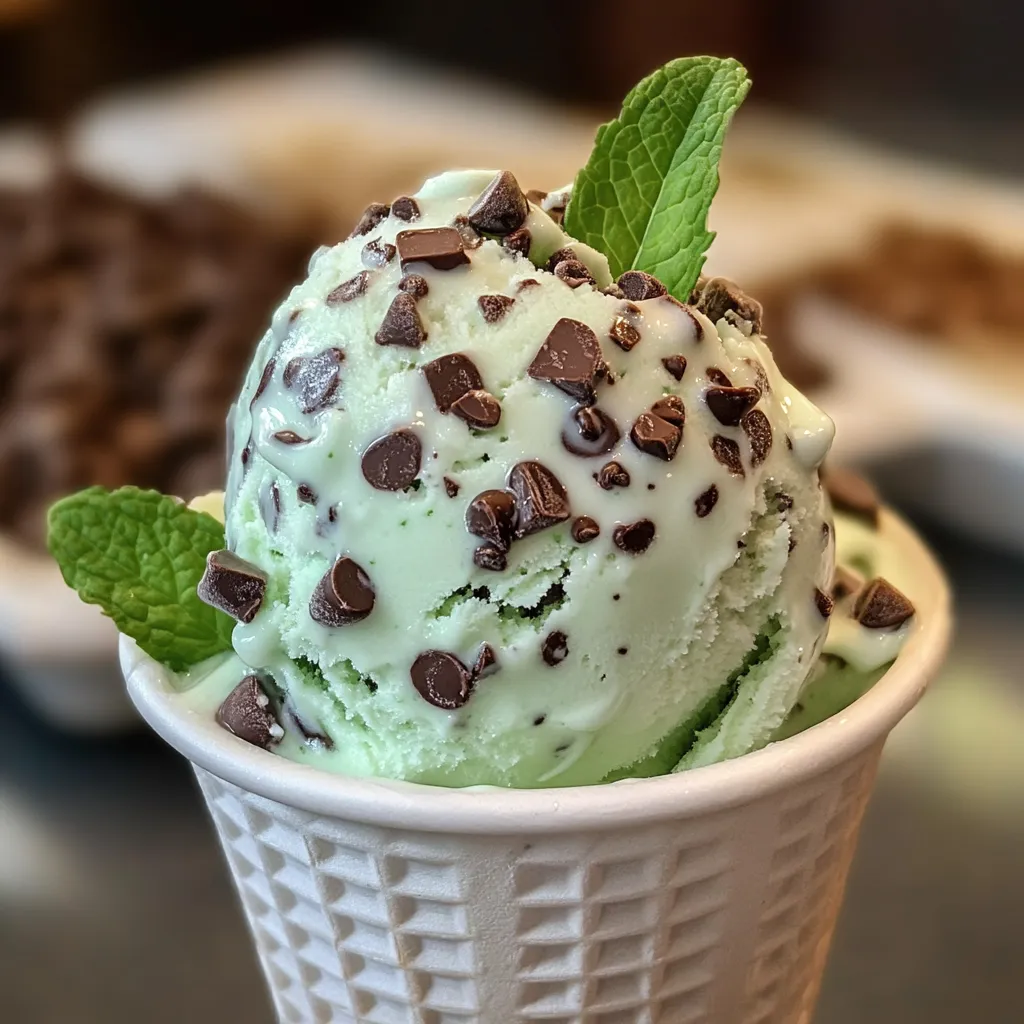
(708,896)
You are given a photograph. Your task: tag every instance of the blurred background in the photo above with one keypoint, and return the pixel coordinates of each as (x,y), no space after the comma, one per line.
(165,170)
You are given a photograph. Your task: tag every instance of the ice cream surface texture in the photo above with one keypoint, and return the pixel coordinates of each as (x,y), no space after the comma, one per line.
(519,528)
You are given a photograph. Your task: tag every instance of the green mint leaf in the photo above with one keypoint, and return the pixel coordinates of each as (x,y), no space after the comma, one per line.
(644,195)
(139,555)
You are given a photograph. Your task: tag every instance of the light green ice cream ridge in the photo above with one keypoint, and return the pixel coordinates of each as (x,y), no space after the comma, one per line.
(652,638)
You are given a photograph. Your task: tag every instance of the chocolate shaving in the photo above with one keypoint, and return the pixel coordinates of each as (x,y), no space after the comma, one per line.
(759,432)
(727,452)
(571,359)
(372,216)
(392,462)
(450,377)
(402,324)
(706,501)
(634,538)
(440,248)
(405,208)
(585,529)
(349,290)
(881,606)
(541,500)
(441,679)
(245,713)
(728,404)
(265,378)
(232,585)
(290,437)
(343,596)
(612,474)
(377,254)
(592,432)
(494,307)
(501,208)
(451,487)
(638,285)
(316,378)
(480,409)
(555,648)
(676,366)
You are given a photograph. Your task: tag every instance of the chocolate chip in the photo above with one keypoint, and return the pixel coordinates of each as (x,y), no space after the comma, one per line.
(518,242)
(656,436)
(450,377)
(612,474)
(555,648)
(624,334)
(852,494)
(823,602)
(265,377)
(638,285)
(306,494)
(715,375)
(571,359)
(881,606)
(845,583)
(349,290)
(592,432)
(405,208)
(558,256)
(290,437)
(441,248)
(706,501)
(488,556)
(494,307)
(501,207)
(573,273)
(451,487)
(377,254)
(232,585)
(245,713)
(623,651)
(634,538)
(480,409)
(676,366)
(415,285)
(316,378)
(392,462)
(245,456)
(541,500)
(344,595)
(270,506)
(441,679)
(759,431)
(727,452)
(492,516)
(728,405)
(486,663)
(372,216)
(670,409)
(585,529)
(719,296)
(529,282)
(470,237)
(402,324)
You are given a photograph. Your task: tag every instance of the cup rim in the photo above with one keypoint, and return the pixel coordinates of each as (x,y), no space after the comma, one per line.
(495,811)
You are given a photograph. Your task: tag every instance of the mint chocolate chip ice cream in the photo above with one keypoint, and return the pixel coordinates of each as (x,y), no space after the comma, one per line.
(520,523)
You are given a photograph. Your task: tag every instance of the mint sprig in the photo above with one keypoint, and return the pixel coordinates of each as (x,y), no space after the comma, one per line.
(643,197)
(139,555)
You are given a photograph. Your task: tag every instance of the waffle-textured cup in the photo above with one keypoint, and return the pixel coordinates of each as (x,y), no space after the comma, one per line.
(708,896)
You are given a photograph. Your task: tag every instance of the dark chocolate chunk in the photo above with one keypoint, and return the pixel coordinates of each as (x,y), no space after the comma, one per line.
(486,663)
(451,487)
(349,290)
(585,529)
(441,679)
(344,595)
(727,452)
(492,516)
(634,538)
(881,606)
(372,216)
(494,307)
(656,436)
(392,462)
(541,500)
(440,248)
(555,648)
(676,366)
(573,273)
(624,334)
(316,378)
(450,377)
(306,494)
(415,285)
(480,409)
(623,651)
(265,376)
(501,207)
(558,256)
(377,254)
(728,405)
(845,583)
(290,437)
(270,506)
(232,585)
(715,375)
(405,208)
(759,431)
(670,409)
(612,474)
(852,494)
(638,285)
(571,359)
(471,239)
(591,432)
(518,242)
(706,501)
(402,324)
(824,603)
(719,296)
(489,556)
(245,713)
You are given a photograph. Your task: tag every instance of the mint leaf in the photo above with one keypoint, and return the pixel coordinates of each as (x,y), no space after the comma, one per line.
(139,555)
(644,195)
